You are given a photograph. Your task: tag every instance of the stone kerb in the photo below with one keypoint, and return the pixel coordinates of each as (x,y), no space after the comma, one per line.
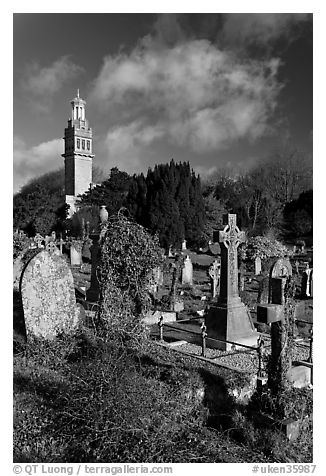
(48,297)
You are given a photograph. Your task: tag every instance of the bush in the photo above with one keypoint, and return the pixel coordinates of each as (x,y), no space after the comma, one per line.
(264,248)
(128,256)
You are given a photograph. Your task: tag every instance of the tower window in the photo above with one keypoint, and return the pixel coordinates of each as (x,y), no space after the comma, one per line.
(88,145)
(78,143)
(83,144)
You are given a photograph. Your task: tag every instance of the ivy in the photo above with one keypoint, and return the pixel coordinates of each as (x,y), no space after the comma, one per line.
(128,256)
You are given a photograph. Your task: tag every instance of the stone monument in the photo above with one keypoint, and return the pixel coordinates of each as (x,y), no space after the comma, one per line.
(48,296)
(228,319)
(187,271)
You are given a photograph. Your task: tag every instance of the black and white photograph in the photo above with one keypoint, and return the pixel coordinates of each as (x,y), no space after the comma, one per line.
(162,241)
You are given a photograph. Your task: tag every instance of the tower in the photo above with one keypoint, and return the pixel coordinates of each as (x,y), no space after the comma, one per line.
(78,154)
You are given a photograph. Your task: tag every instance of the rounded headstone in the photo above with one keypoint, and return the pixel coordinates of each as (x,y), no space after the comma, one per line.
(48,296)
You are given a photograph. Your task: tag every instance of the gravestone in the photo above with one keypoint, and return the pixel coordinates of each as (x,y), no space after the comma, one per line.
(184,245)
(187,271)
(214,272)
(307,283)
(280,271)
(48,296)
(228,319)
(257,266)
(38,239)
(52,248)
(75,255)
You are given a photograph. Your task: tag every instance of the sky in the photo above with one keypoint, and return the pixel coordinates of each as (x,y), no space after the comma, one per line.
(219,90)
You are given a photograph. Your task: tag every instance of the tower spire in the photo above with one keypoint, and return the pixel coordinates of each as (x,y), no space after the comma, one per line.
(78,92)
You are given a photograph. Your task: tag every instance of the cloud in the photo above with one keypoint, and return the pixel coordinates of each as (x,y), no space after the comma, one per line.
(192,95)
(260,28)
(44,82)
(35,161)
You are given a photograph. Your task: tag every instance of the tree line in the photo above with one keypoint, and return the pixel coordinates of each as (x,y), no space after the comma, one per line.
(274,197)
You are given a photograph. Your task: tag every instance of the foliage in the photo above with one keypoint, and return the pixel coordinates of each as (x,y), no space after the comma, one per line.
(21,243)
(298,214)
(81,400)
(262,247)
(168,201)
(128,255)
(38,207)
(259,196)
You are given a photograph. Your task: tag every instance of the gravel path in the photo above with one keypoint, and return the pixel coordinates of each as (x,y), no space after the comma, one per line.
(245,360)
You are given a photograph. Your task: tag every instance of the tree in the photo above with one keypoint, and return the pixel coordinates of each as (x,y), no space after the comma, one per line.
(38,207)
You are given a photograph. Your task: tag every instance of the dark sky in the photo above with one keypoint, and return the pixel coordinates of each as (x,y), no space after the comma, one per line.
(215,89)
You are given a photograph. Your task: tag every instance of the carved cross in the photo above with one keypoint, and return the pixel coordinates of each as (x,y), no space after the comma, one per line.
(230,237)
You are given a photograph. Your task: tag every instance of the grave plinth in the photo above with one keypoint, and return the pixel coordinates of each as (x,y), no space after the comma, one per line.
(228,319)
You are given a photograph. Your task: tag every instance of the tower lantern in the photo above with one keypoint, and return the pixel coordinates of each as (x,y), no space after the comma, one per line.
(78,154)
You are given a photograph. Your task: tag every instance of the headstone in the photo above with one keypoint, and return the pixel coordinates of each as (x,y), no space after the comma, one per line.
(48,296)
(184,245)
(170,254)
(214,272)
(257,266)
(281,268)
(187,271)
(229,319)
(280,271)
(53,236)
(52,248)
(75,255)
(306,283)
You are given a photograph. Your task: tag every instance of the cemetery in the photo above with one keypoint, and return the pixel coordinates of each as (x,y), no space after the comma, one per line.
(129,349)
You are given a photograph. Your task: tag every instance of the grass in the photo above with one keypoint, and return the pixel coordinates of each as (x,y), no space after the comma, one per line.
(83,400)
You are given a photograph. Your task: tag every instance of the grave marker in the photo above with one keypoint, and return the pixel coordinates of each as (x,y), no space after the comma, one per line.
(48,296)
(229,319)
(214,272)
(257,266)
(187,271)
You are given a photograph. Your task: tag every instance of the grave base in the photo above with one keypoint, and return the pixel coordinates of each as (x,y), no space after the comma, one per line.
(230,322)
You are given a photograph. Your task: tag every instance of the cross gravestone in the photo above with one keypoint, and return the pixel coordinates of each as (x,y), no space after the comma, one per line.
(214,272)
(38,239)
(52,248)
(307,283)
(187,271)
(229,319)
(48,296)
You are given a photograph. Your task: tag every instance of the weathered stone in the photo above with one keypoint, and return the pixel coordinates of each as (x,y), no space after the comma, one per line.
(229,319)
(281,268)
(268,313)
(257,265)
(153,317)
(277,288)
(300,376)
(291,428)
(214,272)
(307,283)
(48,296)
(75,256)
(187,271)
